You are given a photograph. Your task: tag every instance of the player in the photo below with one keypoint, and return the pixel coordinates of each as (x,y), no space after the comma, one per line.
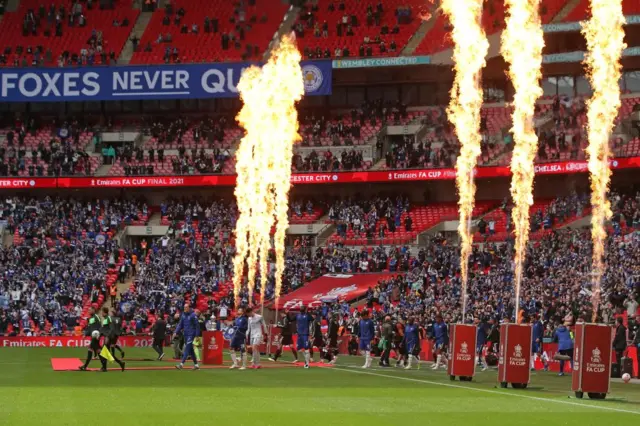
(366,333)
(93,324)
(303,324)
(481,341)
(316,335)
(189,326)
(398,342)
(238,340)
(285,338)
(110,333)
(537,333)
(441,335)
(411,341)
(257,331)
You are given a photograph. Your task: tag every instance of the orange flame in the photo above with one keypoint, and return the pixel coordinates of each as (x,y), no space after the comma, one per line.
(522,44)
(263,163)
(605,42)
(469,52)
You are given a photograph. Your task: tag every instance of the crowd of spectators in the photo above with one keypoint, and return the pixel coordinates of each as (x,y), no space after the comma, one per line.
(566,136)
(556,283)
(362,216)
(62,252)
(176,18)
(347,26)
(51,22)
(405,153)
(328,162)
(134,162)
(57,151)
(347,129)
(60,259)
(168,132)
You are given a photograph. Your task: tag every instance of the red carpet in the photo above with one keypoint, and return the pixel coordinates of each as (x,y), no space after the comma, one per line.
(72,364)
(65,364)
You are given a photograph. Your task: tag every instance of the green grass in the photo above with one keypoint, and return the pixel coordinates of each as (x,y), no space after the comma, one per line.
(32,394)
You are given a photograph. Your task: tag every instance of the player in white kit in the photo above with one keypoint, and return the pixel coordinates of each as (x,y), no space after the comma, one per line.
(257,331)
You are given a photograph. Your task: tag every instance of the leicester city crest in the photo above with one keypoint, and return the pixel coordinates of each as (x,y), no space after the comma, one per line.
(313,78)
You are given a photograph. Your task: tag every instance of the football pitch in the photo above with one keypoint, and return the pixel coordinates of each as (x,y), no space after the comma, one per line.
(31,393)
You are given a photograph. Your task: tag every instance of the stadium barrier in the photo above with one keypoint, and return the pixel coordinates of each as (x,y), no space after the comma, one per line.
(212,344)
(564,167)
(69,342)
(592,360)
(426,346)
(462,362)
(515,355)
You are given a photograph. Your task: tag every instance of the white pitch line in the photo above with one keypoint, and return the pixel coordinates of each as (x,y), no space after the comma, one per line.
(449,385)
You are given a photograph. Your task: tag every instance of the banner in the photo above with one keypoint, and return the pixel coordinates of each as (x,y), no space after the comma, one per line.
(70,342)
(212,344)
(592,358)
(32,182)
(146,181)
(565,167)
(462,362)
(398,61)
(329,288)
(566,27)
(515,354)
(556,58)
(191,81)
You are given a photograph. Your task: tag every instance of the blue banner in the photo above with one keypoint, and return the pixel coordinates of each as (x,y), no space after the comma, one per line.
(193,81)
(398,61)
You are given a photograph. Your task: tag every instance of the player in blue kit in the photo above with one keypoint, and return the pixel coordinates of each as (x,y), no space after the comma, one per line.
(411,341)
(366,333)
(304,321)
(537,333)
(481,333)
(239,339)
(441,336)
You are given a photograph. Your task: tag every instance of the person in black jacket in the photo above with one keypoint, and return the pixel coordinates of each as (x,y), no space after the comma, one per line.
(286,338)
(93,324)
(116,331)
(159,331)
(620,342)
(109,332)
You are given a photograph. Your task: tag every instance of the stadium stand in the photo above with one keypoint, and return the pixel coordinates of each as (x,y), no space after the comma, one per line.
(349,28)
(195,31)
(581,11)
(49,232)
(385,221)
(31,150)
(63,260)
(438,38)
(68,33)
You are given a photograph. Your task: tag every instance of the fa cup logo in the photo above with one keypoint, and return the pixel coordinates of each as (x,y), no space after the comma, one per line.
(517,351)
